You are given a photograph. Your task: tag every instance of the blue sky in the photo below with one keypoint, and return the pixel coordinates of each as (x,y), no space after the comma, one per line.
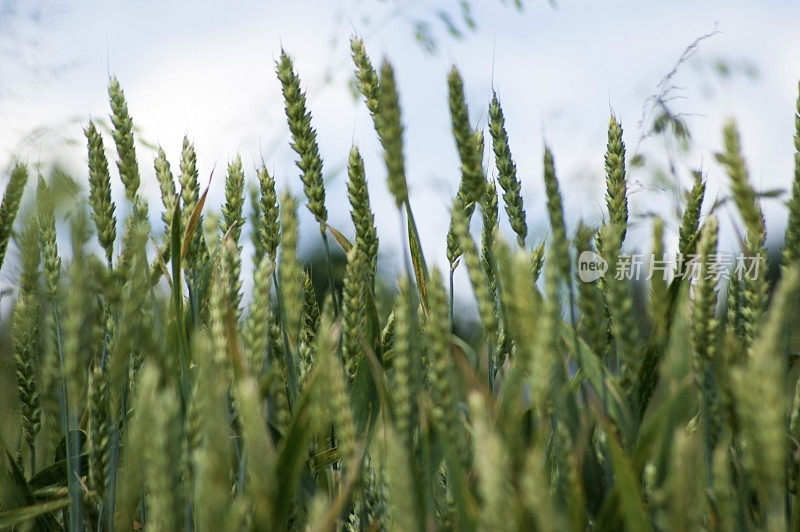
(206,69)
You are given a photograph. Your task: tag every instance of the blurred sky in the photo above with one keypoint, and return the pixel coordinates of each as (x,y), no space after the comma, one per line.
(206,69)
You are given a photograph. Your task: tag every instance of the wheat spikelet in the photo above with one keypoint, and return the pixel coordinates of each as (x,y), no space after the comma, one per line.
(477,276)
(12,198)
(336,390)
(659,286)
(353,316)
(684,509)
(616,184)
(310,326)
(492,468)
(190,195)
(442,372)
(791,245)
(304,139)
(232,218)
(759,382)
(25,333)
(555,211)
(256,329)
(47,237)
(123,138)
(400,489)
(289,273)
(507,171)
(100,192)
(98,434)
(690,220)
(620,306)
(755,286)
(165,505)
(589,302)
(131,481)
(704,327)
(469,191)
(166,183)
(268,228)
(260,487)
(211,458)
(403,393)
(364,221)
(366,76)
(390,132)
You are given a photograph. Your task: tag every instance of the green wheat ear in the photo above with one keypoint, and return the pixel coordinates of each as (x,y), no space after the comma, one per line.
(232,218)
(743,193)
(169,196)
(366,76)
(659,287)
(353,316)
(304,139)
(704,332)
(555,211)
(363,219)
(99,427)
(336,389)
(442,371)
(507,171)
(403,381)
(25,333)
(690,221)
(47,238)
(390,131)
(755,289)
(256,329)
(100,192)
(791,247)
(289,272)
(590,302)
(459,114)
(9,207)
(469,142)
(470,191)
(493,468)
(760,382)
(487,310)
(616,184)
(620,306)
(123,138)
(268,226)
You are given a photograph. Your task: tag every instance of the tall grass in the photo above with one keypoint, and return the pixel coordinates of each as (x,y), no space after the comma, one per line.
(150,396)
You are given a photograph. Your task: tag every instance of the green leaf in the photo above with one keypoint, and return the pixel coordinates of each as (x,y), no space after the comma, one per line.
(44,522)
(55,474)
(340,238)
(191,226)
(20,515)
(604,396)
(292,452)
(626,486)
(364,398)
(417,258)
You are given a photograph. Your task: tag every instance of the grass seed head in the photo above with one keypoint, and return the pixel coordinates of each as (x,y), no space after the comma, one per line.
(304,139)
(390,131)
(123,138)
(100,192)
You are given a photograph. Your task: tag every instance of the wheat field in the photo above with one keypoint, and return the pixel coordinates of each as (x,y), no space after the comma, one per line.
(153,394)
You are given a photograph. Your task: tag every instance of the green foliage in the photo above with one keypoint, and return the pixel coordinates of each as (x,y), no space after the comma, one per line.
(179,409)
